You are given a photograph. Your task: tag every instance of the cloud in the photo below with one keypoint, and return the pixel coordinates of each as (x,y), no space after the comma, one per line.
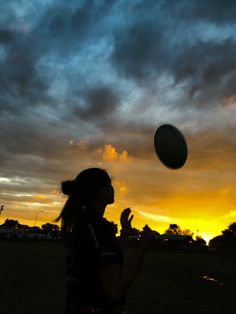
(156,217)
(77,76)
(97,104)
(145,52)
(209,68)
(138,51)
(6,36)
(109,153)
(36,49)
(214,11)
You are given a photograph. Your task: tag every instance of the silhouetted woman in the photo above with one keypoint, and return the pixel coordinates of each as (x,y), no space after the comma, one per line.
(97,280)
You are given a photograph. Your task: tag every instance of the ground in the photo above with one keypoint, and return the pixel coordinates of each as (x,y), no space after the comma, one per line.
(32,280)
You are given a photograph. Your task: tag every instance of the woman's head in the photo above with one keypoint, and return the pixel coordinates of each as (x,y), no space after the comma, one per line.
(90,187)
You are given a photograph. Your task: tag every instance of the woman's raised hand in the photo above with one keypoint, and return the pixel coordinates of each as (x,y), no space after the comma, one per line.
(125,220)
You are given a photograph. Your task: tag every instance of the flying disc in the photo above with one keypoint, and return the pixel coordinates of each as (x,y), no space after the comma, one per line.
(170,146)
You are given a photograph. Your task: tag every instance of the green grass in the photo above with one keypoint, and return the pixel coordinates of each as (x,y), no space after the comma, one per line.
(32,277)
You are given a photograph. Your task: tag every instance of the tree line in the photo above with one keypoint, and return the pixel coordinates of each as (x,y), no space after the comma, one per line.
(227,238)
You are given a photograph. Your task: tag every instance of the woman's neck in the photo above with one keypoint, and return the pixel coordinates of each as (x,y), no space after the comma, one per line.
(98,207)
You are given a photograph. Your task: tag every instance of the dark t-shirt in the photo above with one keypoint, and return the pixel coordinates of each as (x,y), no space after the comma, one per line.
(94,246)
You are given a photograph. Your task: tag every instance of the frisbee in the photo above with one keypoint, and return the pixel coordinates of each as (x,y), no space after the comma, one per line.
(170,146)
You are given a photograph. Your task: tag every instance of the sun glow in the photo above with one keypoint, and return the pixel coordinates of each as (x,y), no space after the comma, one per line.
(207,236)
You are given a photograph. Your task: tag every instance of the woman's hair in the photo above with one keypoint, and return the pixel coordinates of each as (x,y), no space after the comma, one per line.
(82,192)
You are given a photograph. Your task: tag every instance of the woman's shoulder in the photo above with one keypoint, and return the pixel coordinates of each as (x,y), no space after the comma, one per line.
(103,228)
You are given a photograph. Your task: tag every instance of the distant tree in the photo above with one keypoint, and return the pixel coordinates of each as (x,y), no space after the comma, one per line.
(229,235)
(50,227)
(231,230)
(232,227)
(155,233)
(35,229)
(220,239)
(23,226)
(227,239)
(187,232)
(200,240)
(51,230)
(135,232)
(11,223)
(173,229)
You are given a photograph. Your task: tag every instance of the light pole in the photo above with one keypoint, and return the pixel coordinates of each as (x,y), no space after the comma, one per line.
(1,209)
(36,217)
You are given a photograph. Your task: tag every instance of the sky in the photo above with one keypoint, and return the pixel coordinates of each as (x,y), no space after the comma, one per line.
(87,83)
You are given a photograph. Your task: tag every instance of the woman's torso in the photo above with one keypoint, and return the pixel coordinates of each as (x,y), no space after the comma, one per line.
(94,246)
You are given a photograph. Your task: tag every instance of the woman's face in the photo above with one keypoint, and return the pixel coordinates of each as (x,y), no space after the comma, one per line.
(108,193)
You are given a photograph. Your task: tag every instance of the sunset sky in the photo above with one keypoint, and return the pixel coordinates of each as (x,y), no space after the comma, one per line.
(87,83)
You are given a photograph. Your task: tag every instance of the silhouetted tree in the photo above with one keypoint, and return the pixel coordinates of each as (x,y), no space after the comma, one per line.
(218,240)
(36,229)
(135,232)
(227,239)
(154,232)
(173,229)
(11,223)
(232,227)
(51,230)
(200,241)
(231,230)
(23,226)
(187,232)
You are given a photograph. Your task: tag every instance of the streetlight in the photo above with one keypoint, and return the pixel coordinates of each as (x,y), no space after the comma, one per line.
(36,217)
(1,209)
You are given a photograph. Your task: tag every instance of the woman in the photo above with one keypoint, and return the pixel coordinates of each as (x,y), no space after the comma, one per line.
(97,280)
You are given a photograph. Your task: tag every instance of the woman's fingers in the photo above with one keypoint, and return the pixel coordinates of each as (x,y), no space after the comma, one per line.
(131,218)
(125,214)
(125,220)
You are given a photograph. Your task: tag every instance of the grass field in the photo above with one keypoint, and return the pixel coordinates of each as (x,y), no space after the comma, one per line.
(32,281)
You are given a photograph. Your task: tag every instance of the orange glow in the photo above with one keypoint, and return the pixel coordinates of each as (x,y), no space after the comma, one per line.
(109,153)
(40,197)
(199,197)
(124,156)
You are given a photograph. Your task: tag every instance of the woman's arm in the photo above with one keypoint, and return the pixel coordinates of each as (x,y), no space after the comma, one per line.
(123,240)
(116,280)
(126,229)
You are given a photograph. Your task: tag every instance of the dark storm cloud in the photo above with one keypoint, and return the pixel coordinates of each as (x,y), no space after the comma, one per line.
(19,75)
(60,32)
(6,36)
(142,46)
(27,147)
(139,51)
(146,50)
(98,104)
(34,129)
(215,11)
(209,68)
